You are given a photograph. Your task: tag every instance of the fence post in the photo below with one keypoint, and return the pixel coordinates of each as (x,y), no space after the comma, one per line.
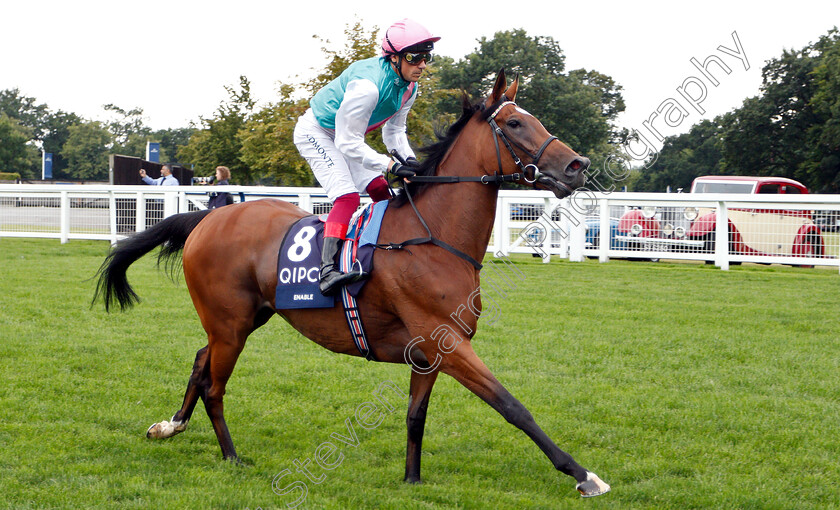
(170,204)
(64,221)
(112,216)
(547,224)
(183,204)
(577,236)
(564,223)
(606,233)
(305,202)
(499,224)
(722,237)
(140,212)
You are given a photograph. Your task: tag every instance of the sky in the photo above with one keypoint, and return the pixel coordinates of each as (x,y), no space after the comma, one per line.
(174,58)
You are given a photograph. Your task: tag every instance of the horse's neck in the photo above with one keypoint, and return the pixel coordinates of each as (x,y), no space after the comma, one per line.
(460,214)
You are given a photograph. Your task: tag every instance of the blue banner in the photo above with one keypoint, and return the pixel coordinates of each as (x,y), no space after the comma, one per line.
(46,166)
(153,152)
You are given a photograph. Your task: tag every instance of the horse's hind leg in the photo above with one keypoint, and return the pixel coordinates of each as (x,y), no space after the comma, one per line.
(211,371)
(223,356)
(465,366)
(196,388)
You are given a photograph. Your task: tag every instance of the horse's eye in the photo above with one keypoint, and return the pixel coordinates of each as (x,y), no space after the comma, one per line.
(513,123)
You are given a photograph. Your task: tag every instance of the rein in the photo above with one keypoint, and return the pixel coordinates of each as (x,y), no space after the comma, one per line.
(497,178)
(428,239)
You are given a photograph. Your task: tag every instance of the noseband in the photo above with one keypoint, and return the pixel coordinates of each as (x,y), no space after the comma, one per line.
(530,172)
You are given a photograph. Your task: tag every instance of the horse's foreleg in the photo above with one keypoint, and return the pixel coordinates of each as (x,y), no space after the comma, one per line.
(421,389)
(465,366)
(195,389)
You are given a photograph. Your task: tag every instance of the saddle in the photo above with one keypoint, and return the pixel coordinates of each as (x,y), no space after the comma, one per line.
(299,259)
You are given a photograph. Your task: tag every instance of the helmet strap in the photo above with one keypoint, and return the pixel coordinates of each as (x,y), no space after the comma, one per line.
(398,65)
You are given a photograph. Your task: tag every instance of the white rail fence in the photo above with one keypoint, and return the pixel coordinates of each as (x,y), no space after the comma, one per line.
(769,229)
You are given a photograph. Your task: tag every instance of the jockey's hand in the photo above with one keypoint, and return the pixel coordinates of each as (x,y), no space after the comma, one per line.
(412,163)
(403,171)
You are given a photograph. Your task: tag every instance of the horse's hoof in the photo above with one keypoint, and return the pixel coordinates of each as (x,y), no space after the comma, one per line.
(165,429)
(592,486)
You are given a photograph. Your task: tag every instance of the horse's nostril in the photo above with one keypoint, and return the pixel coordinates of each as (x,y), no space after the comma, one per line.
(576,166)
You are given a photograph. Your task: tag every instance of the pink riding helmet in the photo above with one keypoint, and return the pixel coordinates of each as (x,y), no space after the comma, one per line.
(405,34)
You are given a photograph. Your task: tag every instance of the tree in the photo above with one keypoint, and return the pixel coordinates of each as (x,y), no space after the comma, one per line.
(791,129)
(58,126)
(86,151)
(788,129)
(129,134)
(360,44)
(266,138)
(267,143)
(683,158)
(823,166)
(579,107)
(170,142)
(16,154)
(25,110)
(46,130)
(428,116)
(217,142)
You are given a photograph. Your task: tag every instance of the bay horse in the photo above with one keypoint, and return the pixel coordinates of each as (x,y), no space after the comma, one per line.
(410,293)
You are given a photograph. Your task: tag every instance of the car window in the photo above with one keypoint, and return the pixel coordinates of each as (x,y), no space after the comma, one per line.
(723,187)
(769,188)
(792,190)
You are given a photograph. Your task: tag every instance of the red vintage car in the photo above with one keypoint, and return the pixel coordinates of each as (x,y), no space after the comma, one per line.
(751,231)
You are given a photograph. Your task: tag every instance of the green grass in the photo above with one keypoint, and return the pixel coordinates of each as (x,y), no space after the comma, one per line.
(681,385)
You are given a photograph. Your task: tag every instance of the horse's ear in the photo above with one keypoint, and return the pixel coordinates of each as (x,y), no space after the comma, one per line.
(511,91)
(499,87)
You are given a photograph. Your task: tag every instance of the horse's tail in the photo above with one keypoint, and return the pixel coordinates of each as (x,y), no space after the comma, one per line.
(170,234)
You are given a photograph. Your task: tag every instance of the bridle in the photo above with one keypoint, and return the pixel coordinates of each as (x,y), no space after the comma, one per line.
(530,168)
(530,172)
(497,178)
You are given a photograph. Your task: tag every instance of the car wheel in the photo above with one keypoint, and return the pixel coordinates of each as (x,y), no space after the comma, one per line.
(709,248)
(812,247)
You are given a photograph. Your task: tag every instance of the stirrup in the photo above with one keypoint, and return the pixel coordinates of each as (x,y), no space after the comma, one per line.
(332,280)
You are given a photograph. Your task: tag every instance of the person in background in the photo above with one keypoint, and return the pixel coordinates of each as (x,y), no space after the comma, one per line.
(218,199)
(374,92)
(166,179)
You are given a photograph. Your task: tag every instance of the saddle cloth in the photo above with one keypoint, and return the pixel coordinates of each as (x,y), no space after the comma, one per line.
(299,259)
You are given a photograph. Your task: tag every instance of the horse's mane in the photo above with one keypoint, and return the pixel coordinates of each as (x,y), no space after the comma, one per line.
(436,151)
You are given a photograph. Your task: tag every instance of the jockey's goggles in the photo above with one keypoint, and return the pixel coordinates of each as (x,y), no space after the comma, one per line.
(415,58)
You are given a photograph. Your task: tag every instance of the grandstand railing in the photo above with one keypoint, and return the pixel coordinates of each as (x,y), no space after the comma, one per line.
(575,228)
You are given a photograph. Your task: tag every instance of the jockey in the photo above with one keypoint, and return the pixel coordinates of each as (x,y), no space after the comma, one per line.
(370,93)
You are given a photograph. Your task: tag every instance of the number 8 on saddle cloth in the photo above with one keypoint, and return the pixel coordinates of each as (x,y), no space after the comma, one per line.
(299,258)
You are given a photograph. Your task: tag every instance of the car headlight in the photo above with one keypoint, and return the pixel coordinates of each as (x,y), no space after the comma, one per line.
(668,229)
(679,232)
(649,211)
(690,213)
(636,229)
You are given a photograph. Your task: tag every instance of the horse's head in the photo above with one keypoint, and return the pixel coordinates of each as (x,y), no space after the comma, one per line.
(524,146)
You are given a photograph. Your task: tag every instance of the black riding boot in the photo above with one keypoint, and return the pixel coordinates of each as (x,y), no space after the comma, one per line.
(332,279)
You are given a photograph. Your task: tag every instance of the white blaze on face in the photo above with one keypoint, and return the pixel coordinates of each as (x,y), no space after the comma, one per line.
(522,111)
